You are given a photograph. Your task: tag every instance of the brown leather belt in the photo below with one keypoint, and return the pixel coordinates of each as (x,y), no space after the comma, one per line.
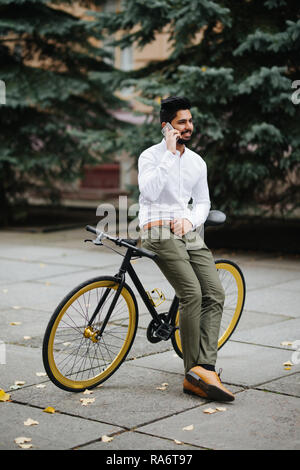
(156,223)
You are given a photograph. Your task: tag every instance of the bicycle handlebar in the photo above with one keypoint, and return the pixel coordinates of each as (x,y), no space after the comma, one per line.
(89,228)
(121,242)
(215,217)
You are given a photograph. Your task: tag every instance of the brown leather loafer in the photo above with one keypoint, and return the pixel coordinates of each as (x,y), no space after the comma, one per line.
(206,384)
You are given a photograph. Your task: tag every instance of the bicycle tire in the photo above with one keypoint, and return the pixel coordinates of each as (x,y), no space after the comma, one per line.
(231,312)
(75,362)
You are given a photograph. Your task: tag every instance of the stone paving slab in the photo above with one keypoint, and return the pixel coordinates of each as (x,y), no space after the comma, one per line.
(272,334)
(22,363)
(274,300)
(33,324)
(255,420)
(244,365)
(91,258)
(139,441)
(291,286)
(269,260)
(266,277)
(254,320)
(56,431)
(77,277)
(15,271)
(36,296)
(289,385)
(128,399)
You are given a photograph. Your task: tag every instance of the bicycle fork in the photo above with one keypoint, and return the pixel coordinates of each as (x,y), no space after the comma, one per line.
(89,331)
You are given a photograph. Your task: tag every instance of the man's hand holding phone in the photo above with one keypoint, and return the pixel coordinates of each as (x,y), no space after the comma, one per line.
(171,136)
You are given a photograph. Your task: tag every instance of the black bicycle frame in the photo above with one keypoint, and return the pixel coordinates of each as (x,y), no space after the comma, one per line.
(127,267)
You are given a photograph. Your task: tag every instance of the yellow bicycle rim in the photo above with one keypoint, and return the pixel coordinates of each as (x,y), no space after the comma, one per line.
(73,384)
(239,304)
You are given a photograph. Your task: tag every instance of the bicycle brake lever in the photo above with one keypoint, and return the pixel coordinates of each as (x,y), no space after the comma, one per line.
(98,241)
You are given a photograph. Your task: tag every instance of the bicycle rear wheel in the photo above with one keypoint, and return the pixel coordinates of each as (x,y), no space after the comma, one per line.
(74,357)
(233,283)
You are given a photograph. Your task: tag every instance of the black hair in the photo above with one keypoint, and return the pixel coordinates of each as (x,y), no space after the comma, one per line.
(171,105)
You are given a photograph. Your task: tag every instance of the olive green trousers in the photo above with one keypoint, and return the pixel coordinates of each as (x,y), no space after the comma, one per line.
(189,267)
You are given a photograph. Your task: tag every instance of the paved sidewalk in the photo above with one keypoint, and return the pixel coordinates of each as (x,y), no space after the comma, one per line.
(37,270)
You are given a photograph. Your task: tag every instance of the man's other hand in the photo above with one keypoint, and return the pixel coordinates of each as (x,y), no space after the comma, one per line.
(181,226)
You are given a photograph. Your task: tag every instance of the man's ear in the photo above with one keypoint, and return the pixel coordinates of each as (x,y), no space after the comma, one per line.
(163,124)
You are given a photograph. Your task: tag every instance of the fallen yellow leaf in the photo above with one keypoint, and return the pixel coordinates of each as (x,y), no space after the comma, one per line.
(106,438)
(15,323)
(86,401)
(188,428)
(41,374)
(87,392)
(221,408)
(19,382)
(287,363)
(177,442)
(4,396)
(209,410)
(49,409)
(30,422)
(286,343)
(25,446)
(22,440)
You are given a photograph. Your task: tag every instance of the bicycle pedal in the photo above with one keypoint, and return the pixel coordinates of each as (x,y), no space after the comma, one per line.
(165,331)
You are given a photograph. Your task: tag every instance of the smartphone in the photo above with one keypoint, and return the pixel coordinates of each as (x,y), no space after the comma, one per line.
(167,126)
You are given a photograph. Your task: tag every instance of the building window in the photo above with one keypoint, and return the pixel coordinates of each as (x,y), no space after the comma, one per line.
(127,58)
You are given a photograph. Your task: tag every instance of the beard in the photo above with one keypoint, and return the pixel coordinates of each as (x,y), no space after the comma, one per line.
(184,140)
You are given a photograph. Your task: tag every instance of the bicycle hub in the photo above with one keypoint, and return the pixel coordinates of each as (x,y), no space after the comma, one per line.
(91,334)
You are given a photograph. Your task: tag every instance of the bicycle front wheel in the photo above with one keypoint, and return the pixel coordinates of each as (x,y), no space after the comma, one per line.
(75,357)
(233,283)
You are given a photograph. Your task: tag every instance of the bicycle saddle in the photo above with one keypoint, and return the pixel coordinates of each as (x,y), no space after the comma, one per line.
(215,218)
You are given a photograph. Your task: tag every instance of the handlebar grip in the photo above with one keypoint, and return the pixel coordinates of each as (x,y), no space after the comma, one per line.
(89,228)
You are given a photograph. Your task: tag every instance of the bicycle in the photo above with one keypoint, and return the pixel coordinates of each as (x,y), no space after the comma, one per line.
(93,328)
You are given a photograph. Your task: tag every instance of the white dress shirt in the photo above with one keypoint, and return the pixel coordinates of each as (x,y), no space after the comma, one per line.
(167,182)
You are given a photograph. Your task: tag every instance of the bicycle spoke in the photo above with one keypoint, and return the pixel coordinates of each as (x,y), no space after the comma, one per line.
(80,356)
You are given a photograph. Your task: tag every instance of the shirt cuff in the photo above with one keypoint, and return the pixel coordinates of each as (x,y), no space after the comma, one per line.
(189,216)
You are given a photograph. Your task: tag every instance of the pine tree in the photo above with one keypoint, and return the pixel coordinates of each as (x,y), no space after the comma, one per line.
(239,77)
(59,95)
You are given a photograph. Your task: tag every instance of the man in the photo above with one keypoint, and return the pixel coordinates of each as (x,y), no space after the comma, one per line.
(170,175)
